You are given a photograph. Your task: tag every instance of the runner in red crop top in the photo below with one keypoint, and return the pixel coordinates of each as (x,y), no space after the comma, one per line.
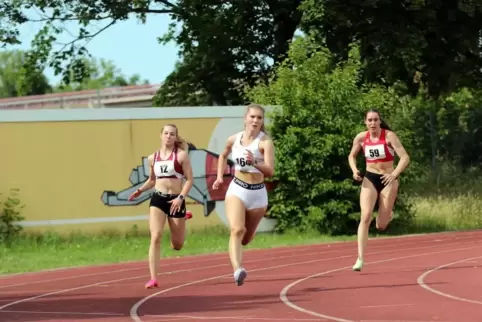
(380,181)
(378,151)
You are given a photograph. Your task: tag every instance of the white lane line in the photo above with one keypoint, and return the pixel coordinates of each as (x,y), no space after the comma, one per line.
(62,313)
(135,307)
(385,305)
(162,317)
(421,282)
(284,298)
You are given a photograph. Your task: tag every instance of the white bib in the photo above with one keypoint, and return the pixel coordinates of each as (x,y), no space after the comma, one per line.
(375,152)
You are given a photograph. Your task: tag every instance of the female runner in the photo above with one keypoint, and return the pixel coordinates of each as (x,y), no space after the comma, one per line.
(380,181)
(246,198)
(169,165)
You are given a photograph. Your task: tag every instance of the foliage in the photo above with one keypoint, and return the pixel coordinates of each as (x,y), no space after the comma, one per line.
(16,81)
(320,108)
(223,44)
(9,218)
(101,73)
(437,42)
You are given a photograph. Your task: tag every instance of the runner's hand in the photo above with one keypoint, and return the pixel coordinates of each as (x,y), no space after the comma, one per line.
(217,183)
(175,205)
(357,176)
(134,195)
(387,178)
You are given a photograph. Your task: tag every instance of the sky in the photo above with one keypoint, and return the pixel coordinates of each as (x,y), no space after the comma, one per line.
(131,45)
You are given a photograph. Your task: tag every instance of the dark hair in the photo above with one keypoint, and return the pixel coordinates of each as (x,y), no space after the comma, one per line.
(383,124)
(258,107)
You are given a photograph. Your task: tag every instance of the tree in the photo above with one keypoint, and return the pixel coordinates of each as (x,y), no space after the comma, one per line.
(100,73)
(16,81)
(228,42)
(435,42)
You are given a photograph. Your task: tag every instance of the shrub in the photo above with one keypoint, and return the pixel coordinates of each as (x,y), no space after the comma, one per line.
(9,218)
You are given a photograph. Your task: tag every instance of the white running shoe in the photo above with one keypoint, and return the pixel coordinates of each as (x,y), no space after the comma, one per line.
(240,275)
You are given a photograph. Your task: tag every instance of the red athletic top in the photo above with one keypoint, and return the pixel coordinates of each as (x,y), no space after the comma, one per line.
(379,151)
(170,168)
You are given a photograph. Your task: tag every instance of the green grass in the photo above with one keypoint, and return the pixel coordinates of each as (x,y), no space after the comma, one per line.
(454,202)
(33,253)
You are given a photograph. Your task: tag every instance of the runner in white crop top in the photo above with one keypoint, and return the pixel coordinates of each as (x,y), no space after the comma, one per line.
(238,153)
(246,199)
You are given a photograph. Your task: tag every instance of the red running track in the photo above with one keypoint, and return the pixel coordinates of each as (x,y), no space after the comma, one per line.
(433,277)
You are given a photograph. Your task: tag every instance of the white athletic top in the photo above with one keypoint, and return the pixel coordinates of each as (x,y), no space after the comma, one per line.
(238,153)
(169,168)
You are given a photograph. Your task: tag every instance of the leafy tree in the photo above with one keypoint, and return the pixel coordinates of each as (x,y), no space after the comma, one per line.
(434,43)
(227,44)
(319,108)
(101,73)
(15,80)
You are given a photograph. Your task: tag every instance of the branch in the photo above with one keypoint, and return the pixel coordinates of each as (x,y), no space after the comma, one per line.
(90,36)
(166,3)
(140,10)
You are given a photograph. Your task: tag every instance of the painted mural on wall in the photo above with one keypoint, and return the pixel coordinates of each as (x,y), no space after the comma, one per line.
(204,166)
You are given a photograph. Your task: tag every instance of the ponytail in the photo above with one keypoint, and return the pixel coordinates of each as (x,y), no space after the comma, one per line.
(181,143)
(384,125)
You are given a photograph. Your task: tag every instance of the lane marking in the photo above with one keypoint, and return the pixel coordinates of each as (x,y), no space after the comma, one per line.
(228,318)
(421,282)
(65,313)
(284,298)
(385,305)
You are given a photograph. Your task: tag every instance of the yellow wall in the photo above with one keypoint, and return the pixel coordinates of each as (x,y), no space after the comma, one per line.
(62,167)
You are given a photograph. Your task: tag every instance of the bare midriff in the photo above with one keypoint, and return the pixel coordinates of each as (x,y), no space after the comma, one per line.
(380,167)
(249,177)
(169,185)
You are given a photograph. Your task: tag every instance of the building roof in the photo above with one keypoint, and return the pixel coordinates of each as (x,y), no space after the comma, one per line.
(79,99)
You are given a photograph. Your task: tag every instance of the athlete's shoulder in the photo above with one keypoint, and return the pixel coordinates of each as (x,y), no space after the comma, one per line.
(233,137)
(390,133)
(266,138)
(361,136)
(181,153)
(150,157)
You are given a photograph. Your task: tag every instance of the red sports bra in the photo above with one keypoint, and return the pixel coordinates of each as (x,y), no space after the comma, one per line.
(379,151)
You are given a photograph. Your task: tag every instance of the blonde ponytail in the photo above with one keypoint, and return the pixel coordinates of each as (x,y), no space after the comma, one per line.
(181,143)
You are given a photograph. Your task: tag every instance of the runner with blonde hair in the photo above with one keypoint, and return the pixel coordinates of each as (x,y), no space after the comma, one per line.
(246,199)
(168,166)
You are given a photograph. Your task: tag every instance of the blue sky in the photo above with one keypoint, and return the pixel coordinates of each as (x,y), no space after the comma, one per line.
(131,45)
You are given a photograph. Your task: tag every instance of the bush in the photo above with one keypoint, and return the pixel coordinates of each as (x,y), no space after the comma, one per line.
(319,108)
(10,216)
